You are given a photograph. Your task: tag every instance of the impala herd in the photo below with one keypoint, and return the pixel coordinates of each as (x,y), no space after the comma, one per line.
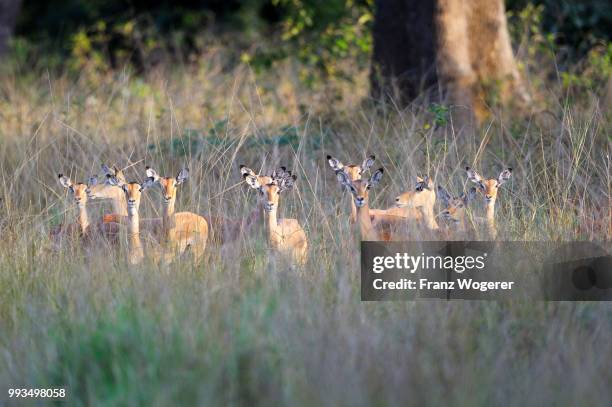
(175,233)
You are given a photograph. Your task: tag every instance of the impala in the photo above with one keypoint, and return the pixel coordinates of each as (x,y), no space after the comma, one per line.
(489,188)
(423,198)
(83,227)
(181,229)
(111,192)
(354,172)
(359,190)
(284,235)
(454,207)
(389,217)
(132,193)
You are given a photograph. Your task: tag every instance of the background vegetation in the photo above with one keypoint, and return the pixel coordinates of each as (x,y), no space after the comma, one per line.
(240,85)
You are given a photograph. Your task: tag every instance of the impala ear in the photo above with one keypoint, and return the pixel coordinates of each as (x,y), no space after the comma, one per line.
(429,183)
(281,173)
(504,176)
(107,171)
(112,180)
(92,181)
(443,195)
(151,173)
(147,183)
(367,163)
(473,175)
(252,181)
(119,174)
(334,163)
(244,170)
(182,176)
(65,181)
(287,183)
(376,177)
(343,178)
(469,197)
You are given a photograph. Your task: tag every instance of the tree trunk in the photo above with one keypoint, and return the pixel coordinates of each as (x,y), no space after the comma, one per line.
(404,49)
(9,10)
(462,46)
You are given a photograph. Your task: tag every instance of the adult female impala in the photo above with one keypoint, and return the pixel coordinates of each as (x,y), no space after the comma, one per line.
(83,227)
(390,217)
(181,229)
(360,191)
(454,208)
(489,188)
(423,198)
(284,235)
(110,192)
(133,192)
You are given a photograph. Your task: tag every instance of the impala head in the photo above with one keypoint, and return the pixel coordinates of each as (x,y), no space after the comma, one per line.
(454,207)
(168,184)
(489,187)
(359,188)
(281,180)
(79,190)
(105,190)
(423,195)
(132,191)
(355,172)
(262,179)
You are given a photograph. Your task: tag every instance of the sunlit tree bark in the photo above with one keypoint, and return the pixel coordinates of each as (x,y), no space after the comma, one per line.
(459,47)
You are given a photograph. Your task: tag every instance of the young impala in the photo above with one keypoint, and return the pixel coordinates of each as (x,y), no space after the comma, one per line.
(360,192)
(83,227)
(110,192)
(489,188)
(354,172)
(181,229)
(390,217)
(454,207)
(132,193)
(423,198)
(284,235)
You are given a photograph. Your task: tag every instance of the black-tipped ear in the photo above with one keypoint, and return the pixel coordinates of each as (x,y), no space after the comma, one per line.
(368,163)
(473,175)
(182,176)
(376,177)
(334,163)
(287,183)
(244,170)
(443,195)
(469,196)
(504,176)
(64,181)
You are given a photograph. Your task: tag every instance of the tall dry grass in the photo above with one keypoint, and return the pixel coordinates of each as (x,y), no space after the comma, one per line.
(243,328)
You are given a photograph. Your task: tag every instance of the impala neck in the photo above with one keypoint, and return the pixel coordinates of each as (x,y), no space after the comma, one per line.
(353,217)
(83,219)
(135,253)
(119,204)
(491,212)
(168,220)
(365,223)
(272,223)
(429,218)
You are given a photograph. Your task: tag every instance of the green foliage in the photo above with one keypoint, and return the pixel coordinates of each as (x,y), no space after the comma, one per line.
(577,24)
(593,73)
(321,34)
